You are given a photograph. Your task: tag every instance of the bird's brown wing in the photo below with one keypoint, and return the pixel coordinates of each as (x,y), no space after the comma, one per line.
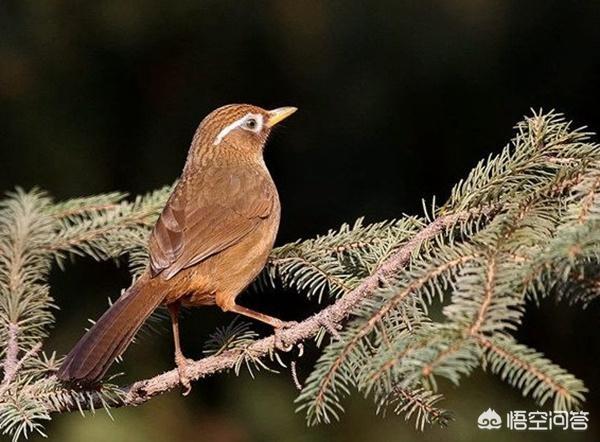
(203,218)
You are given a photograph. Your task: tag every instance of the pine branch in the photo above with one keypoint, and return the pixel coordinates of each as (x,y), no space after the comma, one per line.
(421,404)
(319,392)
(524,224)
(532,373)
(142,391)
(99,227)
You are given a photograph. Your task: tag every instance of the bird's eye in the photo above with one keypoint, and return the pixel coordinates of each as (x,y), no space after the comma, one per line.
(251,123)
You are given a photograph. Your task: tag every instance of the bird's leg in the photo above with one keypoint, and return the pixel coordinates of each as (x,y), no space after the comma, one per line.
(273,322)
(276,323)
(180,359)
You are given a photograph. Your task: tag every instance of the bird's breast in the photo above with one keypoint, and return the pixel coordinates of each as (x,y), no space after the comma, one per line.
(229,272)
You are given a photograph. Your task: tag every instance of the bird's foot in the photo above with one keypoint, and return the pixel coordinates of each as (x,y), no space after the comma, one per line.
(332,327)
(280,343)
(182,368)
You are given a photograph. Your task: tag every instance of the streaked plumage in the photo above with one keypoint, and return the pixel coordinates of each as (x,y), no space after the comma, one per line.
(211,240)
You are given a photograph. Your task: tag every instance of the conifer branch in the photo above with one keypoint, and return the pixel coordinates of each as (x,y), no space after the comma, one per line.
(520,365)
(523,224)
(420,402)
(142,391)
(488,290)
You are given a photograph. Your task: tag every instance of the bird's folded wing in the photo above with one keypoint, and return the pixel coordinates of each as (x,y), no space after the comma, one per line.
(197,223)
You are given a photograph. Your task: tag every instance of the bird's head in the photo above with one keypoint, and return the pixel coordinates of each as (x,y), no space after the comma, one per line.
(236,132)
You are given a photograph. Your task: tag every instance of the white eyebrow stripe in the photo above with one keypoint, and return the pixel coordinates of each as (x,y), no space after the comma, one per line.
(236,124)
(226,130)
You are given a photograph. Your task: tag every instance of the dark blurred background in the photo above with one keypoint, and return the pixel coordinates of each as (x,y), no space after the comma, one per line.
(398,100)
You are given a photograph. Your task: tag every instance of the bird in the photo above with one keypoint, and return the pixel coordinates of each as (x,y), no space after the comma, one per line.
(212,238)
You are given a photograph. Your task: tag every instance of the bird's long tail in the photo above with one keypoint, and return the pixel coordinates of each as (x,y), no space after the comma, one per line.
(95,352)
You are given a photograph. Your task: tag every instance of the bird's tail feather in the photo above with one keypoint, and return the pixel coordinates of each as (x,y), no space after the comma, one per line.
(95,352)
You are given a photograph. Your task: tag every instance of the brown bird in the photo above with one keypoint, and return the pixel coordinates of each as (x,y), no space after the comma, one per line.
(211,240)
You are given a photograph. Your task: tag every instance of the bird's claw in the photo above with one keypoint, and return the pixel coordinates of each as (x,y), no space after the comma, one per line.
(184,379)
(332,327)
(280,344)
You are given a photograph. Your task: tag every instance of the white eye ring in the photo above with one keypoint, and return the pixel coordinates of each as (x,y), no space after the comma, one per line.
(252,122)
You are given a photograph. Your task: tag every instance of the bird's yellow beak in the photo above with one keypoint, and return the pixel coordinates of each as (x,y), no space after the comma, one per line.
(279,114)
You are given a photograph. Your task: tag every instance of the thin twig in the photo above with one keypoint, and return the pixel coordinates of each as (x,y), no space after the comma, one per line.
(12,364)
(295,375)
(487,299)
(10,360)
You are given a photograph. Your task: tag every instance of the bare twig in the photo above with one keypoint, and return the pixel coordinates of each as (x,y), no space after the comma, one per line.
(144,390)
(12,364)
(12,352)
(295,376)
